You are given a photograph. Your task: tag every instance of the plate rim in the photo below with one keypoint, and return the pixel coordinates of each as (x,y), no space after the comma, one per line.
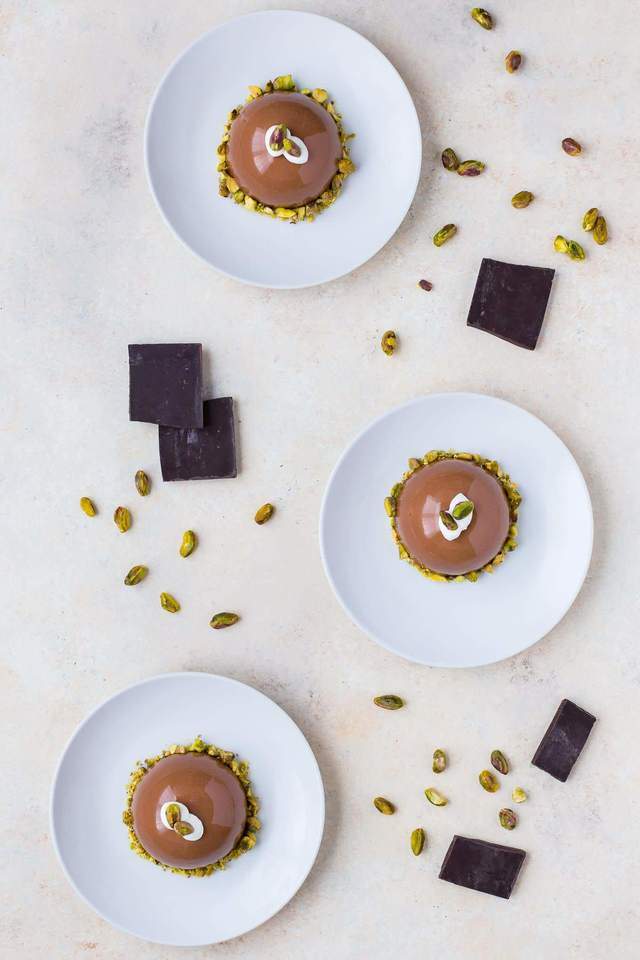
(159,88)
(448,394)
(89,716)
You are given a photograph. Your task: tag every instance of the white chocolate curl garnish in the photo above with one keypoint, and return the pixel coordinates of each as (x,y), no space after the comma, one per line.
(185,817)
(462,524)
(280,151)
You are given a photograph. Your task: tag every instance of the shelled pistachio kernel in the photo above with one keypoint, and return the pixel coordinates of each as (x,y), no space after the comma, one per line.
(444,233)
(462,510)
(169,603)
(136,575)
(142,482)
(389,701)
(519,795)
(418,837)
(561,244)
(507,818)
(450,159)
(384,806)
(439,761)
(183,828)
(512,61)
(447,520)
(600,232)
(122,519)
(189,543)
(488,781)
(576,250)
(264,513)
(172,814)
(389,342)
(220,620)
(435,797)
(87,506)
(499,762)
(521,199)
(483,17)
(590,218)
(571,147)
(470,168)
(284,82)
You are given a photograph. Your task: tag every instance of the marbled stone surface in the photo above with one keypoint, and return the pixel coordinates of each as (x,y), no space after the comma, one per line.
(88,266)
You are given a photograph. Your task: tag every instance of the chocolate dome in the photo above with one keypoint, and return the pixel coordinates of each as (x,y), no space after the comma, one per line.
(210,791)
(430,490)
(275,181)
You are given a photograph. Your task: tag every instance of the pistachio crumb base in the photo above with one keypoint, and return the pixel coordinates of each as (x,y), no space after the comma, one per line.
(229,187)
(239,767)
(512,494)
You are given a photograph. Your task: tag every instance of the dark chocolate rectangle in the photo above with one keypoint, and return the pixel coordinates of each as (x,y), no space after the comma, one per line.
(563,742)
(165,383)
(510,301)
(480,865)
(206,454)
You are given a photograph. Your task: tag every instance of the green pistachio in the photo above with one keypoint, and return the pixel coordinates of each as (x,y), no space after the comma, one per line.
(507,819)
(389,701)
(435,797)
(561,244)
(284,82)
(439,761)
(384,806)
(122,519)
(600,233)
(447,520)
(183,828)
(512,61)
(418,837)
(575,250)
(390,506)
(86,505)
(444,233)
(449,159)
(482,17)
(172,813)
(143,484)
(136,575)
(519,795)
(189,543)
(169,603)
(589,219)
(521,199)
(571,147)
(488,781)
(462,510)
(470,168)
(220,620)
(264,513)
(389,342)
(499,762)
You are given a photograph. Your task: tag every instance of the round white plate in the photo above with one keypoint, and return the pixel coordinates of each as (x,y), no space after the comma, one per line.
(88,798)
(184,127)
(457,624)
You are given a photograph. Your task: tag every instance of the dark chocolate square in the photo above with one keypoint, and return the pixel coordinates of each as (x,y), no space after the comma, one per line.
(165,383)
(563,742)
(206,454)
(480,865)
(510,300)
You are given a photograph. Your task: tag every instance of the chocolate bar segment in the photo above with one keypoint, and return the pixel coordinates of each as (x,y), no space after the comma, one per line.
(480,865)
(563,742)
(510,301)
(206,454)
(165,383)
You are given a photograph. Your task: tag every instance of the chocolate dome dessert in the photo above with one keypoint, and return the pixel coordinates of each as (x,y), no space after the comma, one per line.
(268,173)
(284,153)
(453,515)
(191,809)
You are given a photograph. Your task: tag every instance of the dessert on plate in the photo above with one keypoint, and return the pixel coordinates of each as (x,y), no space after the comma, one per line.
(191,809)
(284,152)
(453,515)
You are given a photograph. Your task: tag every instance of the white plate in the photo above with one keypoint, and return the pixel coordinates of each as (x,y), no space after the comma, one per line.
(88,798)
(184,127)
(457,624)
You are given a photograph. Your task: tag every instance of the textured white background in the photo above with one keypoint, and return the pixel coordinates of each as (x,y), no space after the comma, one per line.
(88,266)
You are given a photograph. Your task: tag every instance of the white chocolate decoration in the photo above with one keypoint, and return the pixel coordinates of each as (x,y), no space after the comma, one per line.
(462,524)
(281,152)
(186,817)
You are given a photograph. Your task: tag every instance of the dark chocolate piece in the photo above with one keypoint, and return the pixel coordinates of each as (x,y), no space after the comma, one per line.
(165,383)
(510,300)
(480,865)
(205,454)
(563,742)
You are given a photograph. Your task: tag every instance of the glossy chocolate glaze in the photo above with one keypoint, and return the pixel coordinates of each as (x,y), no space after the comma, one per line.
(273,180)
(430,490)
(209,789)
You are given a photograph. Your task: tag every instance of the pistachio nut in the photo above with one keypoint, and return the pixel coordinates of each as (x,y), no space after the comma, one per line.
(418,837)
(521,199)
(600,233)
(482,17)
(462,510)
(447,520)
(189,543)
(519,795)
(488,781)
(561,244)
(172,813)
(435,797)
(571,147)
(284,82)
(439,761)
(264,513)
(122,519)
(470,168)
(512,61)
(136,575)
(87,506)
(589,219)
(183,828)
(444,233)
(169,603)
(384,806)
(575,250)
(389,701)
(499,762)
(507,818)
(390,506)
(389,342)
(142,482)
(319,95)
(450,159)
(425,285)
(220,620)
